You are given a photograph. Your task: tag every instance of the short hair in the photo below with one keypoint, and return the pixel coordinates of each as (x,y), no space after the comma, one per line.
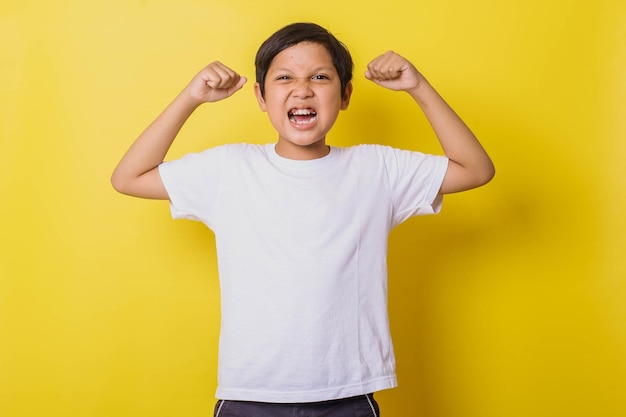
(294,34)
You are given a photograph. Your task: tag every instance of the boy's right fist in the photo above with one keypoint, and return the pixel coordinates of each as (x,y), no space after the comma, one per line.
(215,82)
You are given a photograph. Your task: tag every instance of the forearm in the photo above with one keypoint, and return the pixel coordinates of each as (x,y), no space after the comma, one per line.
(459,144)
(150,148)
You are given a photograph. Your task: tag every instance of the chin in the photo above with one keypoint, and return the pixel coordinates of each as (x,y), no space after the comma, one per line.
(308,143)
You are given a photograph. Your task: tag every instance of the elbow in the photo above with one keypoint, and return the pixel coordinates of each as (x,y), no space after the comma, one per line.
(119,184)
(459,178)
(480,176)
(487,174)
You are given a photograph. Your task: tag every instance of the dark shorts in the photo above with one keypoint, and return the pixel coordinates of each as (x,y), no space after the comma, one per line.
(360,406)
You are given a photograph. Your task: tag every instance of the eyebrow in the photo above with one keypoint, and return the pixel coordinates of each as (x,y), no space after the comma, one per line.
(315,70)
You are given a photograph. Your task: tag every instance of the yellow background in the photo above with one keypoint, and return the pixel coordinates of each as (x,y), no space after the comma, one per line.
(512,302)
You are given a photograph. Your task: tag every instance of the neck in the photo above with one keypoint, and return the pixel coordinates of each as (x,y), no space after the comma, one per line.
(302,153)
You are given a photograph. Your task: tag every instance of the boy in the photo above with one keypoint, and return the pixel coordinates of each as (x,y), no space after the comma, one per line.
(301,227)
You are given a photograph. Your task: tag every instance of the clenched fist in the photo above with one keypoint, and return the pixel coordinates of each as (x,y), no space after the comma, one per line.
(215,82)
(395,72)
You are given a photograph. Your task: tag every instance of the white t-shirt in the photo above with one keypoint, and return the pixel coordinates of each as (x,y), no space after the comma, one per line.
(302,249)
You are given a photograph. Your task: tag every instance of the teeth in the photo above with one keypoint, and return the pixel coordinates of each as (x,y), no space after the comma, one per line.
(304,122)
(302,112)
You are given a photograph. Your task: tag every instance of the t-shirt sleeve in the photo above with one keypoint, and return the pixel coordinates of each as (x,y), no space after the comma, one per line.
(415,179)
(192,183)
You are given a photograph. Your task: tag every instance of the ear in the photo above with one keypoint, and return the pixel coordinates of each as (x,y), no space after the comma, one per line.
(345,100)
(259,97)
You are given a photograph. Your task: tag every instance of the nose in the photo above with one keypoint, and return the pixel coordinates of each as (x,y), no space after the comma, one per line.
(302,88)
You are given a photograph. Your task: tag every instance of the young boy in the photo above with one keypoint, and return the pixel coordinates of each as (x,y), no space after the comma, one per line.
(301,227)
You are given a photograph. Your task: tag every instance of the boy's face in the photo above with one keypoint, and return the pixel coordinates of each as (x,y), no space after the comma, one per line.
(302,99)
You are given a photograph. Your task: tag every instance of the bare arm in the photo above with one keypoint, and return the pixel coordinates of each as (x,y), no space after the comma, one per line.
(137,172)
(469,165)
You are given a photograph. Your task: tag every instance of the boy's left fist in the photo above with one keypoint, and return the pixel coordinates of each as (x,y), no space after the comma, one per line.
(393,71)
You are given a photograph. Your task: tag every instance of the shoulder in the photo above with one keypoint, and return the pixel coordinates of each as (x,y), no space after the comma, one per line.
(394,161)
(225,151)
(383,153)
(236,148)
(211,159)
(366,151)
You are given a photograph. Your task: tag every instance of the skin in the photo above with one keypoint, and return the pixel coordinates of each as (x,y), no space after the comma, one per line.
(303,77)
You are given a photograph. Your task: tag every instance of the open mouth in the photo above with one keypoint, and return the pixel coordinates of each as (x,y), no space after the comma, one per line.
(302,116)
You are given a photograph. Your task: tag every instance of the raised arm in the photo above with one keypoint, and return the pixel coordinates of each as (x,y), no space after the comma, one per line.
(137,172)
(469,165)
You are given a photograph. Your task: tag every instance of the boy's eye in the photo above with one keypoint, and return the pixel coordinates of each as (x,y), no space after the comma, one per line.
(317,77)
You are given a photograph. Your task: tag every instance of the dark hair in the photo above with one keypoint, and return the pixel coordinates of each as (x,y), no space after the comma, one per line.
(296,33)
